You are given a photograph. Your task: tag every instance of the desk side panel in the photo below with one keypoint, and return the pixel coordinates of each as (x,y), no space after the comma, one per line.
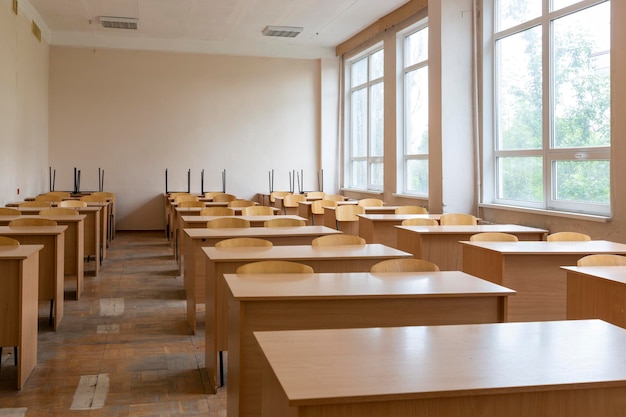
(591,297)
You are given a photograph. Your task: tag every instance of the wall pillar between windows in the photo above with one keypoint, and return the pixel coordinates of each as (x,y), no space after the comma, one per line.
(451,142)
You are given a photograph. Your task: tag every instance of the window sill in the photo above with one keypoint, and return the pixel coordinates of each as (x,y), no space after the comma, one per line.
(410,196)
(354,190)
(555,213)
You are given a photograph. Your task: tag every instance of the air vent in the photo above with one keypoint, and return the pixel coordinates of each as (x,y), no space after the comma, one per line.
(119,22)
(282,31)
(14,6)
(36,31)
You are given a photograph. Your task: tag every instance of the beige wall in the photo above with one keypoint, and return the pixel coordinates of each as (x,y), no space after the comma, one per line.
(23,107)
(136,113)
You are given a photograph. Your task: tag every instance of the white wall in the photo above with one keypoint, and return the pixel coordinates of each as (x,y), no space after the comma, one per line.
(136,113)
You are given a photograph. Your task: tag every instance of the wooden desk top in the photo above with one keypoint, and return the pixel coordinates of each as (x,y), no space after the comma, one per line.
(18,252)
(32,230)
(204,233)
(183,210)
(550,248)
(326,366)
(77,218)
(480,228)
(347,285)
(398,217)
(295,252)
(609,273)
(201,219)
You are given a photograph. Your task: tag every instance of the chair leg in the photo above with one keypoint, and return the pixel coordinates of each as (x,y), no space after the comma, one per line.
(15,355)
(221,367)
(51,311)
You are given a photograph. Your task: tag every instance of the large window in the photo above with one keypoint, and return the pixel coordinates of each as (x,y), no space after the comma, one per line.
(414,47)
(551,105)
(364,121)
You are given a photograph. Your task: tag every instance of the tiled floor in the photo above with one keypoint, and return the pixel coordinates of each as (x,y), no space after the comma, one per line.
(129,333)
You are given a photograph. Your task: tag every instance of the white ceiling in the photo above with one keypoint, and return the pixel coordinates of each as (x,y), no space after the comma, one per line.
(213,26)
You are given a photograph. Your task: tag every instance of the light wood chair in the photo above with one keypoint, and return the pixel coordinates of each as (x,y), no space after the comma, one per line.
(291,201)
(457,219)
(602,260)
(370,202)
(275,194)
(227,223)
(224,197)
(317,208)
(567,236)
(241,203)
(420,222)
(316,194)
(8,211)
(404,265)
(90,198)
(191,204)
(185,197)
(62,194)
(274,267)
(32,221)
(334,197)
(347,213)
(72,203)
(47,197)
(284,222)
(174,195)
(493,237)
(338,240)
(238,242)
(411,210)
(257,211)
(217,211)
(58,211)
(36,203)
(7,242)
(211,194)
(110,195)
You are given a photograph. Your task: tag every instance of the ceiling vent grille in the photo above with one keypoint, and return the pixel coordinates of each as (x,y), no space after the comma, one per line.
(119,22)
(282,31)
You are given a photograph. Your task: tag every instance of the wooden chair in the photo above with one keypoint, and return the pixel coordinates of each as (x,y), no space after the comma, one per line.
(338,240)
(36,203)
(32,221)
(370,202)
(411,210)
(257,211)
(291,201)
(274,267)
(284,222)
(493,237)
(185,197)
(567,236)
(420,222)
(227,223)
(48,197)
(275,194)
(62,194)
(238,242)
(347,213)
(602,260)
(7,242)
(224,198)
(59,211)
(457,219)
(8,211)
(217,211)
(334,197)
(211,194)
(316,194)
(191,203)
(174,195)
(404,265)
(109,195)
(317,208)
(241,203)
(72,203)
(90,198)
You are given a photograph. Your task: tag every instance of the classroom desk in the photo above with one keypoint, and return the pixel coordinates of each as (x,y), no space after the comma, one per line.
(596,292)
(379,228)
(440,244)
(194,273)
(561,368)
(343,300)
(533,269)
(19,271)
(352,228)
(348,258)
(51,259)
(305,210)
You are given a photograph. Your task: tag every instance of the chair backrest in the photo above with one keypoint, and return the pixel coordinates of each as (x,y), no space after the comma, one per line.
(106,194)
(257,211)
(404,265)
(72,203)
(190,203)
(411,210)
(8,211)
(317,206)
(211,194)
(174,195)
(227,223)
(334,197)
(348,212)
(37,203)
(32,221)
(316,194)
(284,222)
(93,198)
(420,222)
(602,260)
(493,237)
(370,202)
(338,240)
(275,194)
(241,203)
(292,200)
(62,194)
(48,197)
(217,211)
(58,211)
(237,242)
(274,267)
(457,219)
(8,242)
(567,236)
(224,197)
(185,197)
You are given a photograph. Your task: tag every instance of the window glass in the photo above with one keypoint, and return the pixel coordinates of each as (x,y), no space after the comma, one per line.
(514,12)
(521,178)
(416,90)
